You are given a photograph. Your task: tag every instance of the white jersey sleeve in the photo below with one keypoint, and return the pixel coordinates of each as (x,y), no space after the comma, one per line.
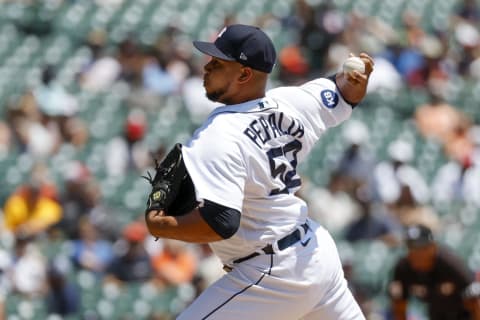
(218,172)
(318,103)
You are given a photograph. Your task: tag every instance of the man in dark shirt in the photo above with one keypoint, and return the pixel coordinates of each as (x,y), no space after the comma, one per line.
(436,276)
(132,263)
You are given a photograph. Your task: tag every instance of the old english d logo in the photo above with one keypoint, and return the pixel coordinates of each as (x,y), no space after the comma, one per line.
(157,196)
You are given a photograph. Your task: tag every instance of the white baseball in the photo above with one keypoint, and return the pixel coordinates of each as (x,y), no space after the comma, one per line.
(353,63)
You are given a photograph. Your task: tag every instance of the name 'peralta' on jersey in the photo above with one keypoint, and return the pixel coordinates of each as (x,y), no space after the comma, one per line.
(251,165)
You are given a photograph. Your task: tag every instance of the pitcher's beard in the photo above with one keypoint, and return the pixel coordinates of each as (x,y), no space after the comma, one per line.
(215,95)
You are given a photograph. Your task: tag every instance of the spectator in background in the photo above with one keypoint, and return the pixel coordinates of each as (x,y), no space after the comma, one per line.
(436,276)
(390,176)
(131,261)
(433,72)
(437,119)
(52,98)
(73,198)
(90,251)
(6,143)
(40,175)
(82,198)
(46,125)
(412,30)
(460,145)
(31,212)
(32,130)
(406,59)
(458,181)
(408,211)
(373,222)
(333,206)
(155,77)
(175,265)
(154,80)
(63,297)
(474,69)
(318,28)
(75,133)
(294,67)
(27,271)
(357,161)
(102,70)
(351,29)
(468,10)
(128,152)
(384,77)
(130,58)
(467,39)
(101,215)
(178,52)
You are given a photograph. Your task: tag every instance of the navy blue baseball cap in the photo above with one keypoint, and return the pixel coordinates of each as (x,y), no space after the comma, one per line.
(247,45)
(418,235)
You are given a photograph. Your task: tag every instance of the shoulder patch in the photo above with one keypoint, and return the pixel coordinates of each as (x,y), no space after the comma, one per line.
(329,98)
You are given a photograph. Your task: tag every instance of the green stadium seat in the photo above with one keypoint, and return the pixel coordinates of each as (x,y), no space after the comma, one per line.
(24,307)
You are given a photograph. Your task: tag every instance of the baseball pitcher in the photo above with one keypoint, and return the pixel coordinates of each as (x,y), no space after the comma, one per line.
(233,186)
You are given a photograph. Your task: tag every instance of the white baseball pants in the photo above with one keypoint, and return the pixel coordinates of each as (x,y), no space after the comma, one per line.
(303,282)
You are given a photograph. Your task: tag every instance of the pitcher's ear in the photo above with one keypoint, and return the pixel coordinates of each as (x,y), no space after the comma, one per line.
(246,74)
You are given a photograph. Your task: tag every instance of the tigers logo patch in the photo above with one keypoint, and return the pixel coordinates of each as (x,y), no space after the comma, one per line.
(157,196)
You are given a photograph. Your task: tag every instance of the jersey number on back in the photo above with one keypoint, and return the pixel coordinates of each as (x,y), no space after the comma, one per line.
(286,156)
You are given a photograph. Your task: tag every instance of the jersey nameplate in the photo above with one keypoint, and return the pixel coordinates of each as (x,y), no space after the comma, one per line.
(282,159)
(263,129)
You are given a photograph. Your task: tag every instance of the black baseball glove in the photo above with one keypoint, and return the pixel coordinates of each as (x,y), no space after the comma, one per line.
(172,188)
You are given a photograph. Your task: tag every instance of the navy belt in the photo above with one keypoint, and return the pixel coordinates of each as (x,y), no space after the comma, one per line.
(282,244)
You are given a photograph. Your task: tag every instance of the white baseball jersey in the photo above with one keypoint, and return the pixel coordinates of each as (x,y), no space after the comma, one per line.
(245,157)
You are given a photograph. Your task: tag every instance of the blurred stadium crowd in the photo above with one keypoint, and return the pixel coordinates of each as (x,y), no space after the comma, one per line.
(91,90)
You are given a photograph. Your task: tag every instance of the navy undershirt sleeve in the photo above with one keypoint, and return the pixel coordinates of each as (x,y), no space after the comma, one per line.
(223,220)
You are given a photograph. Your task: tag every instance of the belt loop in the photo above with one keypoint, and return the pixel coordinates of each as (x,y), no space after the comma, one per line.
(260,251)
(302,231)
(275,247)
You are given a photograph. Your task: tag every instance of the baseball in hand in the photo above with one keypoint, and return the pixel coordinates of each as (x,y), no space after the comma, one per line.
(353,63)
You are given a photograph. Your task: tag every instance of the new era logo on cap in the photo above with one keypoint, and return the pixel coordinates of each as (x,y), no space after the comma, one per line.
(222,32)
(247,45)
(418,235)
